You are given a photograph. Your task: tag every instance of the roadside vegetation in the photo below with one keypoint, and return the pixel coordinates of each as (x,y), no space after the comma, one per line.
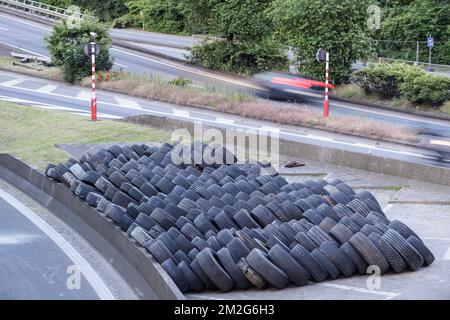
(399,85)
(31,134)
(66,46)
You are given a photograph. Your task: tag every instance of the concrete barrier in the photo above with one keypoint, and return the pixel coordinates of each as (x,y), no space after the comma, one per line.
(393,167)
(136,266)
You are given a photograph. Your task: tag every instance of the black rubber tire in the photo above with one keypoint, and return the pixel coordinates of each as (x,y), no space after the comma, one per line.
(261,264)
(195,283)
(207,259)
(349,223)
(148,189)
(251,275)
(90,178)
(224,237)
(313,216)
(377,218)
(145,221)
(117,178)
(396,262)
(176,275)
(183,243)
(315,269)
(283,260)
(340,260)
(163,218)
(352,254)
(160,252)
(200,243)
(368,230)
(262,215)
(224,222)
(213,243)
(138,234)
(327,224)
(306,241)
(228,263)
(369,251)
(244,219)
(168,242)
(122,199)
(427,255)
(203,224)
(125,223)
(237,249)
(327,264)
(114,212)
(412,257)
(403,229)
(93,198)
(190,231)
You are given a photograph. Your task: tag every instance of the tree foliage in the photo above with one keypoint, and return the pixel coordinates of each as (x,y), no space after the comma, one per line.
(338,26)
(413,21)
(66,46)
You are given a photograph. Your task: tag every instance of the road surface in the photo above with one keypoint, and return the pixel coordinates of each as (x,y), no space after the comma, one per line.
(38,261)
(57,96)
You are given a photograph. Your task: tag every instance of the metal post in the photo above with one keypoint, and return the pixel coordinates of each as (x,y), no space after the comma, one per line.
(326,104)
(429,59)
(417,54)
(93,98)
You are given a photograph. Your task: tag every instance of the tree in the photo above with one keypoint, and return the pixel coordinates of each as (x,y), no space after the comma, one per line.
(66,46)
(247,45)
(412,21)
(339,26)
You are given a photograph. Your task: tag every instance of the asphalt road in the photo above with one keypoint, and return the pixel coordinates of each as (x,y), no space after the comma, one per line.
(38,263)
(56,96)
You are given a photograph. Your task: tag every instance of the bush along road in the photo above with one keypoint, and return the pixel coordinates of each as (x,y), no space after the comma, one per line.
(221,227)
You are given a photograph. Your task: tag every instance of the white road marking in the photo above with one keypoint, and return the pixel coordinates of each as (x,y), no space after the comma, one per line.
(84,95)
(99,115)
(27,23)
(86,269)
(436,238)
(128,103)
(12,82)
(447,254)
(181,113)
(388,295)
(47,88)
(203,74)
(17,238)
(3,29)
(121,65)
(57,108)
(20,48)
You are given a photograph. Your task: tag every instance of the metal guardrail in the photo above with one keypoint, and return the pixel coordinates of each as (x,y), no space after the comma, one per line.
(42,9)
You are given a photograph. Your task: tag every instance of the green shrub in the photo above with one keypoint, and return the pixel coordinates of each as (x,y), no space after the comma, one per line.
(241,57)
(66,46)
(426,89)
(385,80)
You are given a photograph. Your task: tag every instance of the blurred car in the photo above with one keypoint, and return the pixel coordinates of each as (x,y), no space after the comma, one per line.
(279,85)
(435,141)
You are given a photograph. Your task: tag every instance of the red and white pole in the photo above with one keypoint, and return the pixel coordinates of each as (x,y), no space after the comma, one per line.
(93,98)
(326,103)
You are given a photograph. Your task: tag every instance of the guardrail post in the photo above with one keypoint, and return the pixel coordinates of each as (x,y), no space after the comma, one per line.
(326,103)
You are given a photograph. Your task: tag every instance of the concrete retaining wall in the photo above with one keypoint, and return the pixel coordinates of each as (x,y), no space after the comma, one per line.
(135,265)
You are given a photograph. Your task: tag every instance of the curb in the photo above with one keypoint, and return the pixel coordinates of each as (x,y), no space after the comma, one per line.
(389,108)
(135,265)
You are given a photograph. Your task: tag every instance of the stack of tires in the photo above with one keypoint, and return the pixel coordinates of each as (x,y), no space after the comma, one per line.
(221,227)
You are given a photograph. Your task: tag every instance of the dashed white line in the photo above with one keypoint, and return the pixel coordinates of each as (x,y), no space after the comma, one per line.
(12,82)
(3,29)
(388,295)
(86,269)
(128,103)
(121,65)
(84,95)
(447,254)
(20,48)
(47,88)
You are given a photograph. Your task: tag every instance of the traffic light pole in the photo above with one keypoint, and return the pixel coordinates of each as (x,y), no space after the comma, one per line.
(326,103)
(93,97)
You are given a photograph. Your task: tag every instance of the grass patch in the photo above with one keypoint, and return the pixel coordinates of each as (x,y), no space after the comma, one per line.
(31,133)
(446,108)
(14,65)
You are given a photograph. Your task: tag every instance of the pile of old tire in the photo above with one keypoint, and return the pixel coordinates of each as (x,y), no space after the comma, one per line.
(215,226)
